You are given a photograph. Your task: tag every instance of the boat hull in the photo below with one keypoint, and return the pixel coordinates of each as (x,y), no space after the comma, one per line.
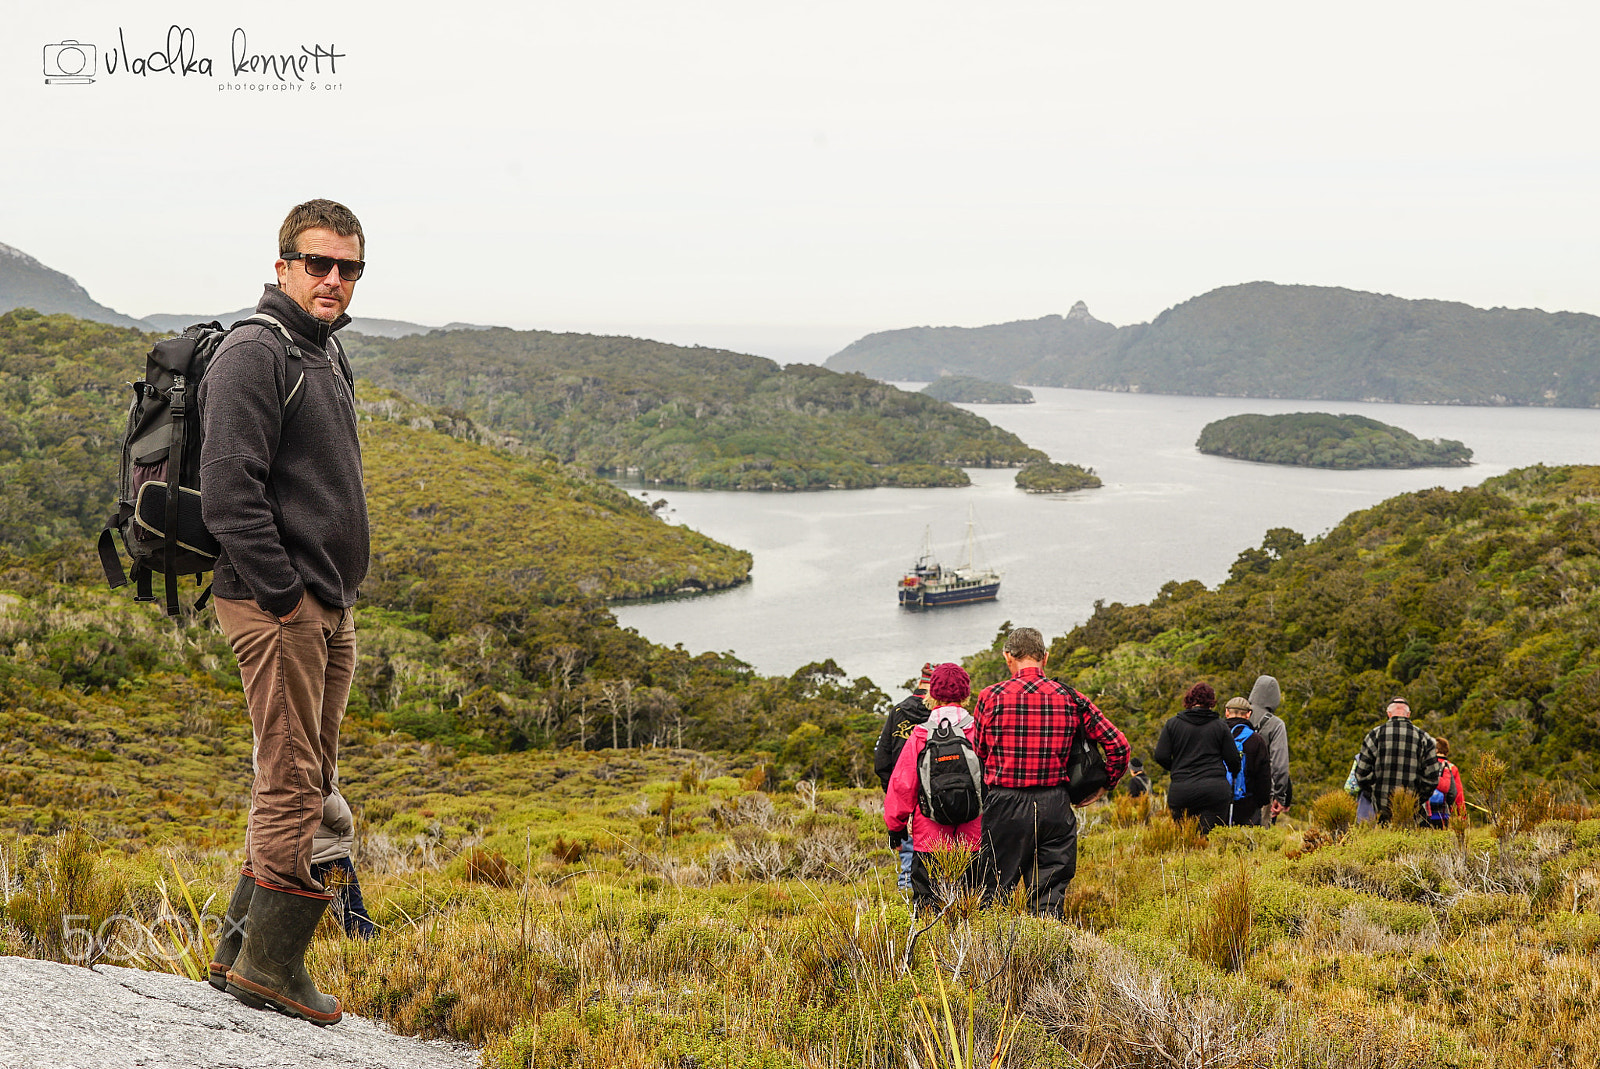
(920,597)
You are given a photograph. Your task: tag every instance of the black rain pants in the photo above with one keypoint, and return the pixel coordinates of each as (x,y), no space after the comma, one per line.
(1030,834)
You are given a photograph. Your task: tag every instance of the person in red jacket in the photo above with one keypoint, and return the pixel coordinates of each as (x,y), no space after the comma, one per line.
(1455,795)
(949,686)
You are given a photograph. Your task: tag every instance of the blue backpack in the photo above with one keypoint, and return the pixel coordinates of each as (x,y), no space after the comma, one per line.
(1237,780)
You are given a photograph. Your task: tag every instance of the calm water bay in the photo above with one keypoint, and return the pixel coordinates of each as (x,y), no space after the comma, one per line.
(826,563)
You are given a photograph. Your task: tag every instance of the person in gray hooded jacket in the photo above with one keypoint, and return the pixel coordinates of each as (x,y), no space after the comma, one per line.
(1265,697)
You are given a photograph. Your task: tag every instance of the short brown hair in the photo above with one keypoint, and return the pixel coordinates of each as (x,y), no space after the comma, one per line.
(1200,696)
(1025,643)
(1443,746)
(327,214)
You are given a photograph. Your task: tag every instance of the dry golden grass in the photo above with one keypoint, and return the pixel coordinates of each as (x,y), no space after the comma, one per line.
(1384,947)
(1221,934)
(1128,811)
(1164,835)
(1405,808)
(1333,811)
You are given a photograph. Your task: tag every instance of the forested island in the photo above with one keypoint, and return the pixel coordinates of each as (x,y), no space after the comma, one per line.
(1262,339)
(968,390)
(1045,477)
(1320,440)
(684,416)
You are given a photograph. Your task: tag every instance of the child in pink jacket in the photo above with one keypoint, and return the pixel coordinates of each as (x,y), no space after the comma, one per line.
(949,687)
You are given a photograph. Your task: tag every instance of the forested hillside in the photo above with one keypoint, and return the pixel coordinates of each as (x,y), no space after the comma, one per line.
(1320,440)
(1262,339)
(482,627)
(112,715)
(1481,606)
(455,505)
(692,417)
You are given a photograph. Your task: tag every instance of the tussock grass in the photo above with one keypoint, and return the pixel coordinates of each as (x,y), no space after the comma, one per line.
(1221,936)
(1164,835)
(1333,811)
(765,930)
(1405,808)
(1128,811)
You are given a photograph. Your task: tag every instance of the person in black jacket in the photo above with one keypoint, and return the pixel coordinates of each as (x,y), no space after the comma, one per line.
(897,727)
(1196,747)
(1257,763)
(1138,781)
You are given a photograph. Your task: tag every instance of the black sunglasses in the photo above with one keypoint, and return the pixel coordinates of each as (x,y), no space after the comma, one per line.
(319,266)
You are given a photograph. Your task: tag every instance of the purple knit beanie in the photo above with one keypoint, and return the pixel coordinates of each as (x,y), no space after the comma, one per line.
(950,683)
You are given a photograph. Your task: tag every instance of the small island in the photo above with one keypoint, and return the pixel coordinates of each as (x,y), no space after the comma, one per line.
(1044,477)
(1320,440)
(971,391)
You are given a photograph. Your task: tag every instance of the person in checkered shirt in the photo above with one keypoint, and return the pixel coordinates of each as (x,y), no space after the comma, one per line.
(1396,754)
(1025,729)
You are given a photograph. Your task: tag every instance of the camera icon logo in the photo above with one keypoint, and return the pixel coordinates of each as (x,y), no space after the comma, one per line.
(69,62)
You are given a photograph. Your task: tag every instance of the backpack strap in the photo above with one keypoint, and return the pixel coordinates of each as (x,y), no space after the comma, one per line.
(291,403)
(1078,702)
(110,559)
(179,397)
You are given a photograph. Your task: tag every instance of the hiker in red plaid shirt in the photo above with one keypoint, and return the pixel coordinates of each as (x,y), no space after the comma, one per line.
(1025,729)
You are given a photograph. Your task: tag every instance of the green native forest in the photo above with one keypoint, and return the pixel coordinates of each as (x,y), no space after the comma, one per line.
(584,848)
(1319,440)
(690,416)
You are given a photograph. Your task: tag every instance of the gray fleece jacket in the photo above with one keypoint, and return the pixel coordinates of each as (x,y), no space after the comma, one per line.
(286,502)
(1265,697)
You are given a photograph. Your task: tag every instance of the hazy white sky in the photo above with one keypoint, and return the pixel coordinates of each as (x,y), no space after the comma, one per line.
(795,174)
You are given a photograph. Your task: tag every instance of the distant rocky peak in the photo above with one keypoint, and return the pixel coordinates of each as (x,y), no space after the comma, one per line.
(18,254)
(1080,313)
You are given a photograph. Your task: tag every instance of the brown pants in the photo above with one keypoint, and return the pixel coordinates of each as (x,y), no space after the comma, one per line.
(296,681)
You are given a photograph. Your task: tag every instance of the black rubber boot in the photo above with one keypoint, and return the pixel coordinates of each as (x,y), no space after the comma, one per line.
(270,972)
(232,935)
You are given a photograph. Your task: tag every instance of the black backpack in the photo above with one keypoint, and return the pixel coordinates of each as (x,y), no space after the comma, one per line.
(162,531)
(1086,764)
(949,778)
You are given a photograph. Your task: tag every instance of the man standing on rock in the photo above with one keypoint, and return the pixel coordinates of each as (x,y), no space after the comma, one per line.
(1025,731)
(280,465)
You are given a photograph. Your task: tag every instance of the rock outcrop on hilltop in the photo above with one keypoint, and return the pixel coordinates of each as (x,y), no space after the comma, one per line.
(67,1017)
